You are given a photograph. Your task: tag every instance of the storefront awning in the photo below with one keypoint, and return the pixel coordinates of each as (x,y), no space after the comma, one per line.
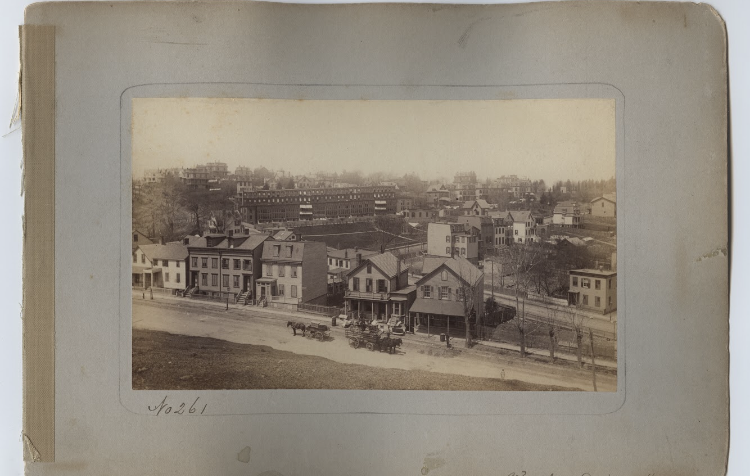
(265,280)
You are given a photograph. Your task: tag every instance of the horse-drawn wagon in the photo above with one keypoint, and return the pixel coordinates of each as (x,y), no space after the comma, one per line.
(370,337)
(318,331)
(313,331)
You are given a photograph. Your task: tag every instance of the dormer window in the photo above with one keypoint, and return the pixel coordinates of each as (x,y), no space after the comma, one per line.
(276,250)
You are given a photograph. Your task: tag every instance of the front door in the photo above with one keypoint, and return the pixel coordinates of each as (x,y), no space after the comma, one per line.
(263,292)
(247,283)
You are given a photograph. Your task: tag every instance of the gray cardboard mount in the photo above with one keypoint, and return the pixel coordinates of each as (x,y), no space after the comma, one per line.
(663,64)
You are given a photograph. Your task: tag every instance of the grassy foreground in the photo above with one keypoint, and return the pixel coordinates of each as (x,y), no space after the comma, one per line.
(164,361)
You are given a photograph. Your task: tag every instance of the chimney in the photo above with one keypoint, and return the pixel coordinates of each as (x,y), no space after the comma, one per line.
(161,240)
(346,253)
(398,269)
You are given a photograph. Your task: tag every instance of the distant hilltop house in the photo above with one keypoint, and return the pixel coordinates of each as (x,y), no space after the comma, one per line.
(476,207)
(567,214)
(604,206)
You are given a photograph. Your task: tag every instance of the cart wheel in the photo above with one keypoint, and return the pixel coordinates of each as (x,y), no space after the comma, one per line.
(370,346)
(355,343)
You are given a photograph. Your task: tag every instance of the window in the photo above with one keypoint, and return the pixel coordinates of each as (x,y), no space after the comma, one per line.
(294,271)
(515,232)
(426,292)
(225,280)
(459,294)
(225,263)
(214,262)
(463,251)
(597,284)
(355,284)
(195,262)
(330,261)
(575,281)
(282,270)
(236,264)
(177,263)
(609,283)
(280,290)
(369,268)
(463,239)
(444,275)
(447,250)
(585,283)
(236,282)
(246,264)
(135,258)
(368,285)
(143,258)
(268,269)
(448,239)
(276,250)
(610,301)
(214,279)
(177,277)
(204,279)
(382,287)
(294,290)
(445,292)
(597,301)
(289,251)
(585,300)
(166,277)
(135,238)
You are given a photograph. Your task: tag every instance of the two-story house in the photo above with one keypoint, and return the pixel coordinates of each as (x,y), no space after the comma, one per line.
(604,206)
(567,214)
(486,236)
(594,289)
(340,262)
(378,288)
(160,266)
(523,227)
(293,272)
(223,265)
(453,239)
(449,289)
(476,207)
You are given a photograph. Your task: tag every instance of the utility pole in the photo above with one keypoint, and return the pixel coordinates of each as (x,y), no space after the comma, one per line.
(593,362)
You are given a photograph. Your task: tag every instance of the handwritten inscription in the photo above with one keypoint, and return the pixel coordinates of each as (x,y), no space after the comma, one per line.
(165,408)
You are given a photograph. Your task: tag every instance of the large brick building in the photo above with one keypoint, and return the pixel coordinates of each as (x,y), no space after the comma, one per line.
(263,206)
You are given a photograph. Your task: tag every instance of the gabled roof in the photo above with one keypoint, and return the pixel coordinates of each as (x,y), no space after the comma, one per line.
(386,262)
(520,215)
(170,251)
(461,267)
(251,242)
(283,235)
(611,197)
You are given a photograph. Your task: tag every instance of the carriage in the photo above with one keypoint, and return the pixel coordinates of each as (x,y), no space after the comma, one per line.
(318,331)
(370,337)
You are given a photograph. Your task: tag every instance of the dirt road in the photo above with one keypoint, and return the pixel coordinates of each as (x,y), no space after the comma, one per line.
(249,327)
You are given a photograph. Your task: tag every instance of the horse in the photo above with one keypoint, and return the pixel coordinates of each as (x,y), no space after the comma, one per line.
(296,326)
(390,344)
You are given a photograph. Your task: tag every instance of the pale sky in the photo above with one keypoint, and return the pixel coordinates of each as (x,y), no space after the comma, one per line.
(550,139)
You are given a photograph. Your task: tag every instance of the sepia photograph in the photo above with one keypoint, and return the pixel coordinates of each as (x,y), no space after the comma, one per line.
(465,245)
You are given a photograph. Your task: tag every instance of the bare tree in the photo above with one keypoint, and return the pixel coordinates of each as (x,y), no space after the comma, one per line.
(552,322)
(523,259)
(577,319)
(390,228)
(470,291)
